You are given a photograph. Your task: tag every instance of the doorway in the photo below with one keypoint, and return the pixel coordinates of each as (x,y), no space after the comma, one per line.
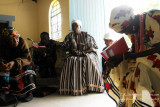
(3,25)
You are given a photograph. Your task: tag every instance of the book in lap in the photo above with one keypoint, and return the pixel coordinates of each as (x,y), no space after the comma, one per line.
(35,45)
(117,48)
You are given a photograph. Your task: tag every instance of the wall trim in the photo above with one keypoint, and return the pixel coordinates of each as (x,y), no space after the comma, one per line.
(7,18)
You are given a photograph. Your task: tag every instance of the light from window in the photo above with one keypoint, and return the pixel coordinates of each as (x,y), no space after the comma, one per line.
(55,20)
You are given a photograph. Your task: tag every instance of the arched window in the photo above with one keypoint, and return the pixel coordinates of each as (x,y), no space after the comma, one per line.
(55,20)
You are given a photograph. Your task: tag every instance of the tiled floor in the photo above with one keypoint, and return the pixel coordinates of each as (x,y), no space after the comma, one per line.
(56,100)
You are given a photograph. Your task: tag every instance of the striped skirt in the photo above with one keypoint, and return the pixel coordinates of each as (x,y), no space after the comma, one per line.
(19,84)
(80,75)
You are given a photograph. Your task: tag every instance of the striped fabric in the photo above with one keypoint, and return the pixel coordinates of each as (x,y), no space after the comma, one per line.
(139,103)
(114,89)
(19,84)
(81,73)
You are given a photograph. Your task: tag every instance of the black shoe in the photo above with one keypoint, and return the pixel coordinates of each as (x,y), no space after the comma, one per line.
(27,98)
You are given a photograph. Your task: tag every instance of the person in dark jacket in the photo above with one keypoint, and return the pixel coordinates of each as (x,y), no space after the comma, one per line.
(45,56)
(109,40)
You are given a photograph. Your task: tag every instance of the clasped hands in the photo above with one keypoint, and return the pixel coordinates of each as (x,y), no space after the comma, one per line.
(79,52)
(6,66)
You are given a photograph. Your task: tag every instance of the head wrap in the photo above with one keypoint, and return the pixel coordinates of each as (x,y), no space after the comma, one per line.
(120,18)
(107,36)
(78,22)
(10,32)
(110,36)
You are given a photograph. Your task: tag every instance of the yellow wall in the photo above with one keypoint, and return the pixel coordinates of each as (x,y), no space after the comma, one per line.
(43,13)
(32,18)
(43,22)
(25,16)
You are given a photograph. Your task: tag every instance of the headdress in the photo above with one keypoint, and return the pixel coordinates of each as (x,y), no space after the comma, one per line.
(121,17)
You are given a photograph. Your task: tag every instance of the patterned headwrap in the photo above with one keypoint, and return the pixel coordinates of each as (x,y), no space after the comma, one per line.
(120,18)
(10,32)
(78,22)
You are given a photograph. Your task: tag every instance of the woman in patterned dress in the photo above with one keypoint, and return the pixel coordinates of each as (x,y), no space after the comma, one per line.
(81,71)
(134,79)
(16,75)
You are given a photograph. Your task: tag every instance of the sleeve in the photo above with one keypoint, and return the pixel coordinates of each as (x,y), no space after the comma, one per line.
(67,41)
(92,43)
(152,22)
(152,27)
(25,57)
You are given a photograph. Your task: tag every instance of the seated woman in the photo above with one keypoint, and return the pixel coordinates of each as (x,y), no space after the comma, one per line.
(81,71)
(16,74)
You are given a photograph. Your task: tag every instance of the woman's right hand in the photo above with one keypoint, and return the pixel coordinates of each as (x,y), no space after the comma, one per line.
(114,61)
(3,66)
(78,53)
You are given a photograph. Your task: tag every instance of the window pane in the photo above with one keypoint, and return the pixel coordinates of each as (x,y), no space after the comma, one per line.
(59,17)
(58,6)
(55,21)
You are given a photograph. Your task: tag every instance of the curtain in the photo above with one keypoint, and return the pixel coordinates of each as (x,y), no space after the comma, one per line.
(92,15)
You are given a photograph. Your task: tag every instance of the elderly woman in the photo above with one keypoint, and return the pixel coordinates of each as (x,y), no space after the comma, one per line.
(108,40)
(134,81)
(81,71)
(16,74)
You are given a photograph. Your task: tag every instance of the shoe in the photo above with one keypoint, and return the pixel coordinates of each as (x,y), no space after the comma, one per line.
(27,98)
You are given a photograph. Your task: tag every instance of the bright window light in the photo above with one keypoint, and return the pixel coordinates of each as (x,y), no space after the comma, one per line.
(55,20)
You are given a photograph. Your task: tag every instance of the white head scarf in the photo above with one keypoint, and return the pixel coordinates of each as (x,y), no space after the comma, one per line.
(78,22)
(110,36)
(121,17)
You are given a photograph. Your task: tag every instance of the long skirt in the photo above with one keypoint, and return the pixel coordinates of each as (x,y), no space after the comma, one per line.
(136,84)
(19,83)
(80,75)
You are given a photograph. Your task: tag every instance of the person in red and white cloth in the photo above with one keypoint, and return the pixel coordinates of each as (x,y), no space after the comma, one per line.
(134,79)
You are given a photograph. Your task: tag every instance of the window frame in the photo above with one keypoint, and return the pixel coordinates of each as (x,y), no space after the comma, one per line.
(55,20)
